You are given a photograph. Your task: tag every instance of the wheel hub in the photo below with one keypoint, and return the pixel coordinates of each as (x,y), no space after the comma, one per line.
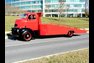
(27,35)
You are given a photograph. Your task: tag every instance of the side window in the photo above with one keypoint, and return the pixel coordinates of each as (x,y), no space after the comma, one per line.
(31,17)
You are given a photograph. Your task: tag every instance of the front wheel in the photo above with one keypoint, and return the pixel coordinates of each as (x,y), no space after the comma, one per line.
(27,36)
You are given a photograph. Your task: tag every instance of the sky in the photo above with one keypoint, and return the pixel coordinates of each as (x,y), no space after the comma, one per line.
(7,0)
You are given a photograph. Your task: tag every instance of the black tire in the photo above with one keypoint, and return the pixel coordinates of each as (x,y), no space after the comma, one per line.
(70,33)
(27,36)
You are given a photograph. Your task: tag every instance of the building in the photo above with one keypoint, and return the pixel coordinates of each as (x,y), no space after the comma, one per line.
(71,8)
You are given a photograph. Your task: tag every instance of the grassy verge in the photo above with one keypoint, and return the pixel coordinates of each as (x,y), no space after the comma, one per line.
(75,22)
(81,56)
(9,22)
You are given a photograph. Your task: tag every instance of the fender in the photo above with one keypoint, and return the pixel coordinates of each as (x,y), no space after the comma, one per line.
(23,30)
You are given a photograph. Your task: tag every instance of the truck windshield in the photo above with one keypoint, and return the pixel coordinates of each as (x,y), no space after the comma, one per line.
(23,15)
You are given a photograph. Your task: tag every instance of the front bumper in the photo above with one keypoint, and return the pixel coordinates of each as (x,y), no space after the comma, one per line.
(15,32)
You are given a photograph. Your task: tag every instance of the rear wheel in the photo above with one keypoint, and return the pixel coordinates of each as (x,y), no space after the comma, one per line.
(27,36)
(70,33)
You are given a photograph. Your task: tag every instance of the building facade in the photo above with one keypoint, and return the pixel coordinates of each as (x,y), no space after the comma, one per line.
(70,8)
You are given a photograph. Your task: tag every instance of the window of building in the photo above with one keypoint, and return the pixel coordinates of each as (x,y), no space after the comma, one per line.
(71,10)
(47,1)
(28,2)
(15,0)
(39,10)
(23,3)
(77,5)
(75,10)
(54,10)
(83,5)
(54,1)
(36,6)
(83,10)
(46,10)
(62,0)
(68,5)
(33,2)
(72,0)
(48,6)
(54,6)
(82,1)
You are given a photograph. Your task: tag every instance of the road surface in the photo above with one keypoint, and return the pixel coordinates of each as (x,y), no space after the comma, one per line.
(16,50)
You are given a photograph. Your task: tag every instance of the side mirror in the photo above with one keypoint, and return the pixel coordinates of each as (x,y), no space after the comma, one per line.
(39,14)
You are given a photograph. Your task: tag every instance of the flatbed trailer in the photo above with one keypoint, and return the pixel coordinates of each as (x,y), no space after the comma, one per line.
(50,29)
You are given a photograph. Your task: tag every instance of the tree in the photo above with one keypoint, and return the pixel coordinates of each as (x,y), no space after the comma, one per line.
(12,10)
(87,8)
(61,8)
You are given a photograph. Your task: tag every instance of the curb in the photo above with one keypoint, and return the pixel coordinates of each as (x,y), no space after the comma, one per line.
(47,56)
(6,37)
(7,32)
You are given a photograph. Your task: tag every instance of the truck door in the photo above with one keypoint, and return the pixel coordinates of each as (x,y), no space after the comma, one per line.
(32,22)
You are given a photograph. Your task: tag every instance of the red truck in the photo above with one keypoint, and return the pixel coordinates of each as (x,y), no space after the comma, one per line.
(29,26)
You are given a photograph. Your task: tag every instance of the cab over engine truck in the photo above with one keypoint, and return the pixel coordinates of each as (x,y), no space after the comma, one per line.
(29,26)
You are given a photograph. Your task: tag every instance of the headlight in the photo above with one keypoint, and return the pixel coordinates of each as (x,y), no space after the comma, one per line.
(17,30)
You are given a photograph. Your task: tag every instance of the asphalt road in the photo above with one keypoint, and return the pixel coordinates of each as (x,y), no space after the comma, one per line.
(18,50)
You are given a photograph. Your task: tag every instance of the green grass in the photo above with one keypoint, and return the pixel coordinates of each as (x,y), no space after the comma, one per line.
(9,22)
(81,56)
(75,22)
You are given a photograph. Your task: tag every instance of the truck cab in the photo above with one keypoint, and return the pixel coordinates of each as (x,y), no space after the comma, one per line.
(25,25)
